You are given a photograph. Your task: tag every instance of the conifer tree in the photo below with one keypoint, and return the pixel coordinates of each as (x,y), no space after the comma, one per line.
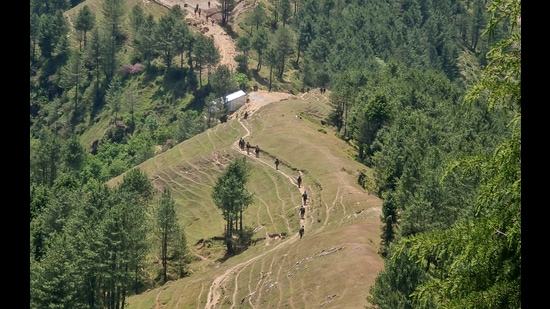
(232,197)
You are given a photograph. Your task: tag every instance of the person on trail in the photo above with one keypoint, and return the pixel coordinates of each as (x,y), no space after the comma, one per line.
(245,115)
(241,143)
(301,231)
(257,151)
(248,148)
(304,197)
(302,211)
(299,180)
(276,163)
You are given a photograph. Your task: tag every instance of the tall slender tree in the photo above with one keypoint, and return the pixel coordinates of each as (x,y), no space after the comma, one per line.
(144,40)
(113,12)
(244,45)
(283,43)
(225,7)
(286,11)
(167,226)
(206,54)
(257,17)
(113,97)
(73,74)
(94,60)
(259,43)
(165,38)
(85,21)
(232,197)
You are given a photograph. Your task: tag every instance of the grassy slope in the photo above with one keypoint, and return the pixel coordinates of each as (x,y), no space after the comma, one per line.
(332,266)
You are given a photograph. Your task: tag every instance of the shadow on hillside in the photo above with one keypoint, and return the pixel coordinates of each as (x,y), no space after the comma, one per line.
(259,79)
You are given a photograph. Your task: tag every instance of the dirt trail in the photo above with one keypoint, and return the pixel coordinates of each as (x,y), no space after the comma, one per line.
(227,49)
(222,40)
(215,293)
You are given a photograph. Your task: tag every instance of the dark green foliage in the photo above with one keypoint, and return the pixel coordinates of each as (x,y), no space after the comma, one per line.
(283,44)
(53,28)
(231,196)
(144,40)
(73,76)
(206,54)
(371,113)
(260,43)
(257,17)
(222,81)
(73,154)
(244,45)
(45,158)
(189,124)
(85,21)
(166,223)
(285,11)
(166,37)
(464,219)
(389,220)
(395,284)
(137,183)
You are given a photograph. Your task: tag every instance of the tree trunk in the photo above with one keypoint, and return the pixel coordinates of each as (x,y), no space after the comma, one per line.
(270,75)
(241,221)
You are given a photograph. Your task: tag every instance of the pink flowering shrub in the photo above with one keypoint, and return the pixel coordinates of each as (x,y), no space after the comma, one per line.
(128,69)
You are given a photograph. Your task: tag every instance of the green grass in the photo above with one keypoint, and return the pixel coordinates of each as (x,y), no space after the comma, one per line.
(332,266)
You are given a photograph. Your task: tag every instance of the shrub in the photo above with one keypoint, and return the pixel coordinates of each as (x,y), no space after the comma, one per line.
(128,69)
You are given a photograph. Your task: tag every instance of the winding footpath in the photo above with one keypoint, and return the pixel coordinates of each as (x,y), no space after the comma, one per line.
(215,291)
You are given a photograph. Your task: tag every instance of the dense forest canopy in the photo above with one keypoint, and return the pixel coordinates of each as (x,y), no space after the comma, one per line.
(428,91)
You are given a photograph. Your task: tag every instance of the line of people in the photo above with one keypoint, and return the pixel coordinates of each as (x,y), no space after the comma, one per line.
(242,146)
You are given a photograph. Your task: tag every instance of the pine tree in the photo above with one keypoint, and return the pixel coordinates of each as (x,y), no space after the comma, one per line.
(232,197)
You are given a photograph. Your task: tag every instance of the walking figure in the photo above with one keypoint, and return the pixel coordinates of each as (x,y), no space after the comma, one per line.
(304,197)
(301,231)
(276,163)
(208,4)
(248,148)
(299,180)
(302,211)
(246,115)
(257,151)
(241,143)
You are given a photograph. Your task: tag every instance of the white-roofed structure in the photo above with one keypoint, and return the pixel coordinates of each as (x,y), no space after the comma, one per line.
(235,100)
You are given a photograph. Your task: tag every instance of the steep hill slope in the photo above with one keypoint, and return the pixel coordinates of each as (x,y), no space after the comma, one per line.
(331,267)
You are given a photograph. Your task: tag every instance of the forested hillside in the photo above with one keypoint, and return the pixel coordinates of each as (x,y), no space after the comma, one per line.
(425,92)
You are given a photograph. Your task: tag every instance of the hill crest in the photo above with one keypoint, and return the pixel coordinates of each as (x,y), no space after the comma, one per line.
(336,261)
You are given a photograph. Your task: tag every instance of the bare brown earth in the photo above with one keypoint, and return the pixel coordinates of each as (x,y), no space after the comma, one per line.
(204,24)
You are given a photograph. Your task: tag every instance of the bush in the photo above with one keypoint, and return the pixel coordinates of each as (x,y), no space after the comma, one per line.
(128,69)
